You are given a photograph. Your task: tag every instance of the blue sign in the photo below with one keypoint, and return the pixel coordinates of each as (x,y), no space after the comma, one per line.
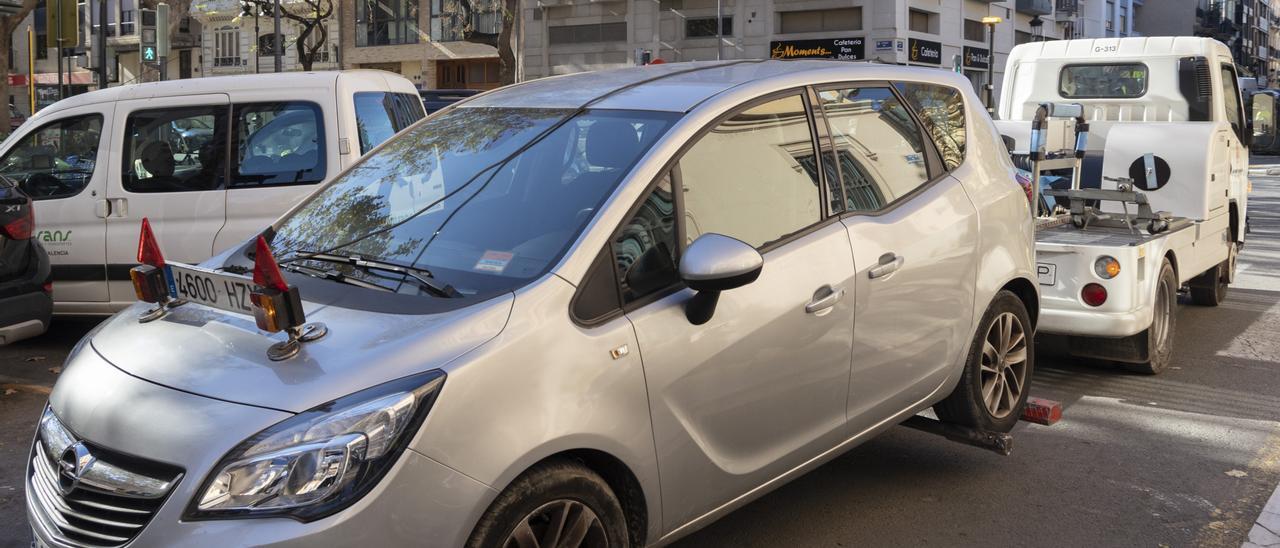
(884,45)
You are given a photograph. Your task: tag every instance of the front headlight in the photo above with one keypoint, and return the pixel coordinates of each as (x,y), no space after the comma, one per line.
(319,461)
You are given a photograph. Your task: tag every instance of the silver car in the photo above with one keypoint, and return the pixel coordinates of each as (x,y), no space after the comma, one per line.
(602,309)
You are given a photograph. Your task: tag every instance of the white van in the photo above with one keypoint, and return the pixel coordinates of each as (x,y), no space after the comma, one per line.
(209,161)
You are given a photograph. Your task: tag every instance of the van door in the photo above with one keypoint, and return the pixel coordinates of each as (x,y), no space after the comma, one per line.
(62,166)
(279,151)
(173,171)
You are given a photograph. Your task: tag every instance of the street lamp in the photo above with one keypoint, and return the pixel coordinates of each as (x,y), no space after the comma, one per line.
(991,21)
(1037,29)
(248,7)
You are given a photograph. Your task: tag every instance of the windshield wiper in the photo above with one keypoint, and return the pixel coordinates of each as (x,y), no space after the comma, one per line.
(421,275)
(333,275)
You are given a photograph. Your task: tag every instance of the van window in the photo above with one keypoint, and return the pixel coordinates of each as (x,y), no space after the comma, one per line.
(380,115)
(278,144)
(57,160)
(1231,100)
(1109,81)
(175,149)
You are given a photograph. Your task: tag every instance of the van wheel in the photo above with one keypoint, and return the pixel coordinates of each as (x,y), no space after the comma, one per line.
(1159,337)
(1210,288)
(556,504)
(993,387)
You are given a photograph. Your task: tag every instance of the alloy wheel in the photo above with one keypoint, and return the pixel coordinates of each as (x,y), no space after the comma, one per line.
(561,523)
(1004,365)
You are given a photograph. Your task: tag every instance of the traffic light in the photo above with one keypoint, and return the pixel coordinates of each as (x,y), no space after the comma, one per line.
(148,50)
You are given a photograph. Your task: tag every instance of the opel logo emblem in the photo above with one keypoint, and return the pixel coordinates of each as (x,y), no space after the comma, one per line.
(74,463)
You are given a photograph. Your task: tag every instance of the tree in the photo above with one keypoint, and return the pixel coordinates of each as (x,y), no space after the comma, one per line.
(502,40)
(310,16)
(8,24)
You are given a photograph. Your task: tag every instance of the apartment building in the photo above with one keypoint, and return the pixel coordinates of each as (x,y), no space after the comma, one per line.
(1245,26)
(422,40)
(562,36)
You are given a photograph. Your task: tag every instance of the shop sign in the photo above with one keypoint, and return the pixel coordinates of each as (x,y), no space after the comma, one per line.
(925,51)
(979,58)
(848,49)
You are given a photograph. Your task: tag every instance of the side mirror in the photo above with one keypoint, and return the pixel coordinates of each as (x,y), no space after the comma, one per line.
(715,263)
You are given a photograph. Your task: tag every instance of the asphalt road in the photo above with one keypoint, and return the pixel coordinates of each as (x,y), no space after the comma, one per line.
(1184,459)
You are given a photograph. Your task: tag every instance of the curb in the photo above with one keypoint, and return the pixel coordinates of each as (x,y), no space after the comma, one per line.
(1266,529)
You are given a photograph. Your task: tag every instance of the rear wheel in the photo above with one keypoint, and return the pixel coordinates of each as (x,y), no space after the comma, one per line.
(556,504)
(1210,288)
(993,387)
(1159,337)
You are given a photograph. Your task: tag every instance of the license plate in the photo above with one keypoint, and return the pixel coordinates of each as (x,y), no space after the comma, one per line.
(215,289)
(1048,273)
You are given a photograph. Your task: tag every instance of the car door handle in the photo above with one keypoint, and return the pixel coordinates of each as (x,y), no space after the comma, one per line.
(119,207)
(102,208)
(889,263)
(823,299)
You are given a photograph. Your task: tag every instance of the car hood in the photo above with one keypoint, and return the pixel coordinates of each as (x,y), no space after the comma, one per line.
(220,355)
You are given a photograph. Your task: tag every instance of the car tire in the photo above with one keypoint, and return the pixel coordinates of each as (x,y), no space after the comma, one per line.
(1210,288)
(1158,338)
(547,504)
(994,384)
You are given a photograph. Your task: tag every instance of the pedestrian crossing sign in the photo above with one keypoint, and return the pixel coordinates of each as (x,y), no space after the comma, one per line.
(149,54)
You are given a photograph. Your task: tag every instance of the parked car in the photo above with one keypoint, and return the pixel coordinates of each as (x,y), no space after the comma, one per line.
(436,99)
(25,306)
(205,159)
(627,301)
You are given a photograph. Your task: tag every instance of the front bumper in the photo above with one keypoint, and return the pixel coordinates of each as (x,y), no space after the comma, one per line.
(420,500)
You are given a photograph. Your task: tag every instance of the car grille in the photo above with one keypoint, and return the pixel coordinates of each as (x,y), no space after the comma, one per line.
(84,495)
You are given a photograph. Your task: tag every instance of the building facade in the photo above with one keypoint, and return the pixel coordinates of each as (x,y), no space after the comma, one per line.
(562,36)
(1245,26)
(422,40)
(237,39)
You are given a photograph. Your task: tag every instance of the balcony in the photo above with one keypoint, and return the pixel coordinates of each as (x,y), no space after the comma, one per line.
(1035,7)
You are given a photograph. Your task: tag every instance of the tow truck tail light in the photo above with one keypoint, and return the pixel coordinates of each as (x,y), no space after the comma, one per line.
(149,283)
(20,228)
(1093,294)
(276,304)
(148,248)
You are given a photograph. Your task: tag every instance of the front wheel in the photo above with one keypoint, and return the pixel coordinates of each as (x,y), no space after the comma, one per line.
(993,387)
(555,504)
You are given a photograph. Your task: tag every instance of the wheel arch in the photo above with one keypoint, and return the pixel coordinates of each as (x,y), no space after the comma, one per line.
(621,480)
(1233,216)
(1026,292)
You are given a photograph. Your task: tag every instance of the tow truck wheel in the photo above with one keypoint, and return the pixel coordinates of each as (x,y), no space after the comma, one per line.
(1159,337)
(1210,288)
(993,386)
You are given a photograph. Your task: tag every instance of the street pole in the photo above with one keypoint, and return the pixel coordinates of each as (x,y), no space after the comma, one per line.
(31,69)
(58,40)
(162,39)
(276,45)
(102,44)
(991,21)
(719,32)
(257,55)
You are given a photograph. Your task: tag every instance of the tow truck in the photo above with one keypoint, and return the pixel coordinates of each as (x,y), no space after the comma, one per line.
(1137,150)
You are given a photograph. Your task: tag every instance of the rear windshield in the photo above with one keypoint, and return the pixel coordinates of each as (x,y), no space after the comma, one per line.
(484,198)
(1104,81)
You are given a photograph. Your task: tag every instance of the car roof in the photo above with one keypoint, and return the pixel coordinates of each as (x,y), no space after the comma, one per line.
(226,84)
(679,87)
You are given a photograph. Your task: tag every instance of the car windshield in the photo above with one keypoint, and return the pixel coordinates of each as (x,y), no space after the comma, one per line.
(485,199)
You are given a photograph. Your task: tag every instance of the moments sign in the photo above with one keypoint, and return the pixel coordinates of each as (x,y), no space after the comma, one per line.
(849,49)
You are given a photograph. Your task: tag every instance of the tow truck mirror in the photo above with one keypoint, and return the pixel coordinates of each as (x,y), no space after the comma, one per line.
(715,263)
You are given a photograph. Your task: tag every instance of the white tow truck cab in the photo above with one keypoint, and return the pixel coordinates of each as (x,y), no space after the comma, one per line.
(1151,200)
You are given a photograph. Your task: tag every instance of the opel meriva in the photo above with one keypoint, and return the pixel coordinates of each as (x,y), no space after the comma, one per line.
(601,309)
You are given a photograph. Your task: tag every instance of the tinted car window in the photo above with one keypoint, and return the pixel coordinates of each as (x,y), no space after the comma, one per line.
(380,115)
(941,109)
(746,178)
(879,146)
(175,149)
(57,160)
(486,198)
(278,144)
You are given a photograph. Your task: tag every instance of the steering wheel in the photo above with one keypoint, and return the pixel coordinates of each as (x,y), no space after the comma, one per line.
(44,185)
